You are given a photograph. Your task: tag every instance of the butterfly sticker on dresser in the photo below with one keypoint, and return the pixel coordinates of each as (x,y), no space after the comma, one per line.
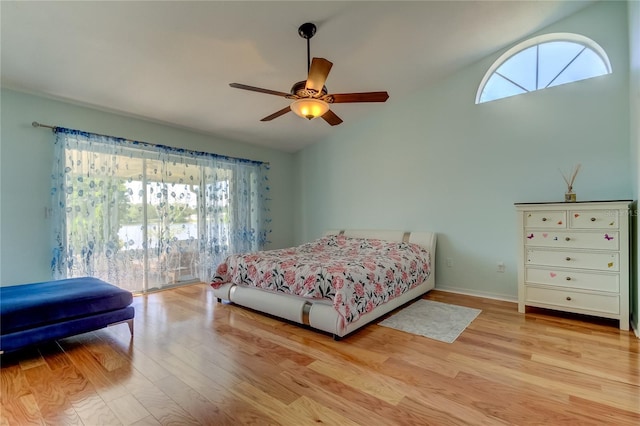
(530,236)
(608,237)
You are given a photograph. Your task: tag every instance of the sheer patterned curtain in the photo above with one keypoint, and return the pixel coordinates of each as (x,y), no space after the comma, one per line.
(145,216)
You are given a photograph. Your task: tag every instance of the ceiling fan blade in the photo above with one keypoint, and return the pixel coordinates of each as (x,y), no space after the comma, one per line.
(341,98)
(258,89)
(283,111)
(318,73)
(331,118)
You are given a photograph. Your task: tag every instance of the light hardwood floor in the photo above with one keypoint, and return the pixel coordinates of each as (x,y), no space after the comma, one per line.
(194,361)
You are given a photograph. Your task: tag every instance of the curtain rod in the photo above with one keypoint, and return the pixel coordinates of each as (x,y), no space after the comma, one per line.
(53,129)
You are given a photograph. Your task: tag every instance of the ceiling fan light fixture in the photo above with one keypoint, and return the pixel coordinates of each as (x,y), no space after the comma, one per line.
(309,108)
(312,99)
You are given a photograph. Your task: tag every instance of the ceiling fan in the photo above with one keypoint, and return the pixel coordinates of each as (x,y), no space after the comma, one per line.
(310,97)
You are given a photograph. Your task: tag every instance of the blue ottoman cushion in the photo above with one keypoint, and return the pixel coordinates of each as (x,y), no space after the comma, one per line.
(59,330)
(32,313)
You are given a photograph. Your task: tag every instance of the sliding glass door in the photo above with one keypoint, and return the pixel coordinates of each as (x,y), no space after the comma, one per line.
(160,228)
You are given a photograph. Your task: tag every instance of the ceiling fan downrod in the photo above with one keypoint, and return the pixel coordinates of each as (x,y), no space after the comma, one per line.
(306,31)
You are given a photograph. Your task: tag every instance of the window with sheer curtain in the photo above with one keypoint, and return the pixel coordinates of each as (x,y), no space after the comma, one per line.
(146,217)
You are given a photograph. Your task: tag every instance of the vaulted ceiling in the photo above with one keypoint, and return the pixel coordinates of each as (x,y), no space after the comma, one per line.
(172,62)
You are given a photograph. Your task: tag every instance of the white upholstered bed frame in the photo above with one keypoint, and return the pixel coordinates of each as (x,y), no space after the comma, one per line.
(320,314)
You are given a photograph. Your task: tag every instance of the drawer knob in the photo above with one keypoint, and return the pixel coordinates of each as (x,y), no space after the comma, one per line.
(567,239)
(593,219)
(568,278)
(544,219)
(568,297)
(567,258)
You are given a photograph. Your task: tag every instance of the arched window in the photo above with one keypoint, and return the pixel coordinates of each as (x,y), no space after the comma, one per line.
(540,62)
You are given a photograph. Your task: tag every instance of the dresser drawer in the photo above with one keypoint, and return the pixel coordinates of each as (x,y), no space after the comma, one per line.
(573,279)
(564,299)
(573,259)
(546,219)
(590,219)
(567,239)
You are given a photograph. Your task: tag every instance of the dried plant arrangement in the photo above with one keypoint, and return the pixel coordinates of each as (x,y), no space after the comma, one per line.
(570,195)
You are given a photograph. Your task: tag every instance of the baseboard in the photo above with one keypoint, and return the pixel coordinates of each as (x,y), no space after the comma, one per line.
(486,295)
(467,292)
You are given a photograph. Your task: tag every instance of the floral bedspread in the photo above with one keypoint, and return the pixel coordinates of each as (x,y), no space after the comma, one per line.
(356,274)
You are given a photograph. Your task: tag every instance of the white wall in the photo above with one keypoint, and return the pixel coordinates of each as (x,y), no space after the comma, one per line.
(439,162)
(25,170)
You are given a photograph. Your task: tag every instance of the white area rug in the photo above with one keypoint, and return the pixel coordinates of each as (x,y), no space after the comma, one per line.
(435,320)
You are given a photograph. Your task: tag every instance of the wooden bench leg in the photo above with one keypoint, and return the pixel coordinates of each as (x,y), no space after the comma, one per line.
(130,322)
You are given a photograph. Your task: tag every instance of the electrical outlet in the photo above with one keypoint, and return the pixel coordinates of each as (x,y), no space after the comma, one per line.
(500,267)
(449,262)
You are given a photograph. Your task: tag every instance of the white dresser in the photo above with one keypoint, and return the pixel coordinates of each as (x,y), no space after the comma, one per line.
(574,257)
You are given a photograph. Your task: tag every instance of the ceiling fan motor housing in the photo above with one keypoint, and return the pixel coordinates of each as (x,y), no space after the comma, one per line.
(299,89)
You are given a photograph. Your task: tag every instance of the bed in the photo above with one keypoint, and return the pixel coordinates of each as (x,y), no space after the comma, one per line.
(325,290)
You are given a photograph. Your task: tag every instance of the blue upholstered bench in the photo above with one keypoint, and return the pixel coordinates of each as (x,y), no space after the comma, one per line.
(31,314)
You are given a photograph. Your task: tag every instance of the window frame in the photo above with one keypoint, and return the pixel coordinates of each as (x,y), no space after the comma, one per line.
(537,40)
